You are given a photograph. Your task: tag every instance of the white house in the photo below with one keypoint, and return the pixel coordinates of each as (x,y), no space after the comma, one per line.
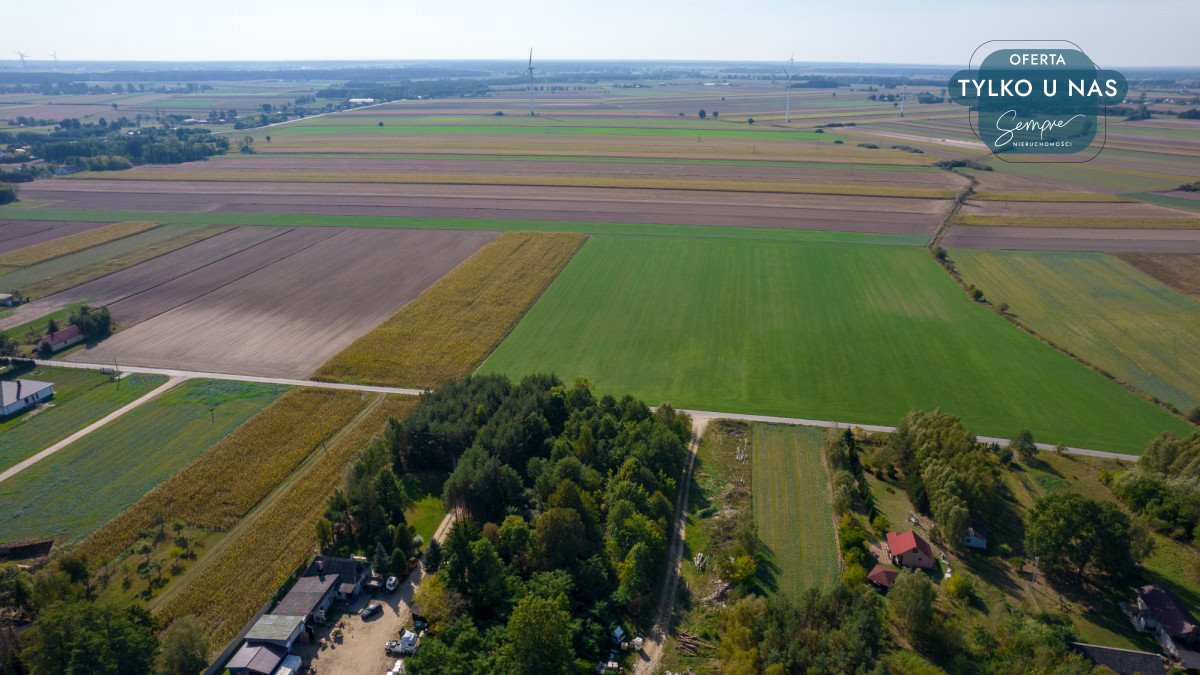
(975,538)
(17,395)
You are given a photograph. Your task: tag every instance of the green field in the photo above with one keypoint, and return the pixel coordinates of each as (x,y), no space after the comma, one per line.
(852,333)
(427,510)
(368,126)
(1102,309)
(39,325)
(791,507)
(80,398)
(82,486)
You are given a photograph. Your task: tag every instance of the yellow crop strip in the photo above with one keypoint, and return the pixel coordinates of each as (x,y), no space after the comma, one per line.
(48,250)
(452,327)
(251,567)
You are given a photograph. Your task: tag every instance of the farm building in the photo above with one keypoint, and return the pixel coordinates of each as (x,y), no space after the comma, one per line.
(1123,661)
(910,550)
(349,574)
(975,538)
(309,596)
(257,659)
(267,646)
(1162,612)
(61,339)
(18,395)
(882,577)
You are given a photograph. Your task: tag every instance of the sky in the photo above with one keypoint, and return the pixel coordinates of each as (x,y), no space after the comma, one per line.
(943,32)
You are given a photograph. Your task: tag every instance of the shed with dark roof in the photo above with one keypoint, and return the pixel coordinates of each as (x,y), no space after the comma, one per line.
(349,573)
(307,595)
(1123,661)
(256,659)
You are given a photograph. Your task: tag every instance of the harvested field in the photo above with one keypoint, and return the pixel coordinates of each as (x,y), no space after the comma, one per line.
(16,234)
(68,265)
(293,313)
(452,326)
(791,507)
(147,276)
(1046,196)
(276,539)
(1105,311)
(1183,222)
(1178,270)
(84,485)
(821,331)
(606,205)
(31,255)
(1073,239)
(1116,209)
(220,487)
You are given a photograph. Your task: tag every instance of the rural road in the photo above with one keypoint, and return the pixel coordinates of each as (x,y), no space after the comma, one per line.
(696,414)
(21,466)
(651,654)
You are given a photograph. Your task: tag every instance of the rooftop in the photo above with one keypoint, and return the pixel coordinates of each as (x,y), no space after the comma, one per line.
(884,576)
(904,542)
(1122,660)
(274,628)
(259,658)
(305,596)
(12,391)
(1168,610)
(63,335)
(348,571)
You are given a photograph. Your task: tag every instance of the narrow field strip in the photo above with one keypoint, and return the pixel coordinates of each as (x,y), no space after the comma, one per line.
(82,275)
(1183,222)
(791,507)
(503,225)
(451,327)
(775,187)
(227,481)
(1047,196)
(32,255)
(276,540)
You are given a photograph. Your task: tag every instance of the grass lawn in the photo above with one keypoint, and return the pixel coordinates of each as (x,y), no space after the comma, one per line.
(82,486)
(39,325)
(1102,309)
(427,510)
(80,398)
(817,330)
(791,507)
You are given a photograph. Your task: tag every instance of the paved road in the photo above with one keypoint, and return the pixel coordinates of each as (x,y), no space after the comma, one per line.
(21,466)
(170,372)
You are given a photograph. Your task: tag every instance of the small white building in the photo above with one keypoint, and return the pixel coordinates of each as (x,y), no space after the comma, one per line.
(975,538)
(6,300)
(18,395)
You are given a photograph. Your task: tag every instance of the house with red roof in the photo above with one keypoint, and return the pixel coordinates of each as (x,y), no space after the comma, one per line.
(910,550)
(61,339)
(882,577)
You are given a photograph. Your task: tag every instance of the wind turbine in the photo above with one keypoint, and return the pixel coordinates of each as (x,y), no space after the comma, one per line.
(787,112)
(903,94)
(529,70)
(20,55)
(54,55)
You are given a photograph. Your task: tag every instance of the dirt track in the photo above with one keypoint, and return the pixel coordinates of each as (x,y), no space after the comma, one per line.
(618,205)
(292,313)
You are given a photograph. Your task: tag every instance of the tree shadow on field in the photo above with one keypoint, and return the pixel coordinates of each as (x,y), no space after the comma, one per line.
(766,578)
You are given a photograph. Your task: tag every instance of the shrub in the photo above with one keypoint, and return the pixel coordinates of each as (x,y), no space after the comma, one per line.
(8,193)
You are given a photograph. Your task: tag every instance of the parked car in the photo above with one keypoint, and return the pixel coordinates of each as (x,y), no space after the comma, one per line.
(371,610)
(391,584)
(397,669)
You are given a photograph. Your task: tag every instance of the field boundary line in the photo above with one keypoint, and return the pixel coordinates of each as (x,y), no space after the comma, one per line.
(30,461)
(707,414)
(253,514)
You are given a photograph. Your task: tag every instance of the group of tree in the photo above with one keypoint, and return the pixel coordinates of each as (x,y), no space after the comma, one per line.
(947,473)
(1165,486)
(73,632)
(107,146)
(566,501)
(1073,536)
(8,193)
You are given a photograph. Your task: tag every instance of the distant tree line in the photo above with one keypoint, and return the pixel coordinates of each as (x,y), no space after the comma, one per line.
(392,91)
(106,146)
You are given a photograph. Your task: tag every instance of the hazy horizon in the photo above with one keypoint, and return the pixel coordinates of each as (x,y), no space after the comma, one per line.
(922,32)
